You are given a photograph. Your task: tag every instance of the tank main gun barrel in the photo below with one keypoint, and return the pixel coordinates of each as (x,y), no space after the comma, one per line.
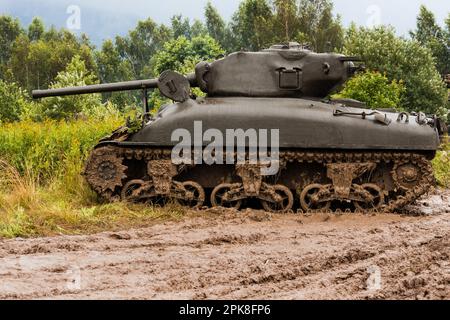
(108,87)
(96,88)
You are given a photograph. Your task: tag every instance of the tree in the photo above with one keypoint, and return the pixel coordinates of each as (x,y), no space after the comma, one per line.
(182,55)
(374,89)
(112,68)
(429,34)
(140,45)
(216,26)
(401,60)
(286,19)
(9,30)
(13,101)
(36,29)
(34,64)
(198,29)
(75,74)
(252,25)
(319,27)
(427,27)
(176,53)
(181,27)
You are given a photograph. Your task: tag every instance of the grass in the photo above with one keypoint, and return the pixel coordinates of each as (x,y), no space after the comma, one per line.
(42,192)
(441,165)
(27,209)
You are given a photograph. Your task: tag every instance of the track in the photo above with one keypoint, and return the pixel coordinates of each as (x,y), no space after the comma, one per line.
(324,181)
(221,254)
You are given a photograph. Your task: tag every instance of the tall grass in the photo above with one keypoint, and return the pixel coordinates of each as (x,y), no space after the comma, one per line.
(441,165)
(42,191)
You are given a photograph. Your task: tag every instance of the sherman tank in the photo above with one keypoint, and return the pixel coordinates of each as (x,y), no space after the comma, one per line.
(312,153)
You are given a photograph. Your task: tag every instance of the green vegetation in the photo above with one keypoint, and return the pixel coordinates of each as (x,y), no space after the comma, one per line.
(42,190)
(13,101)
(374,89)
(401,60)
(441,166)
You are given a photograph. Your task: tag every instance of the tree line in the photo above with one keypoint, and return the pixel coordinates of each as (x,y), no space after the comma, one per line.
(37,56)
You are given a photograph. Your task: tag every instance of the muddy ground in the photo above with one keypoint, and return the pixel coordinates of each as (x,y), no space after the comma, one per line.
(247,255)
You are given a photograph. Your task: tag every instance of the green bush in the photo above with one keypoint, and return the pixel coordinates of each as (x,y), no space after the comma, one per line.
(75,74)
(374,89)
(182,55)
(51,148)
(441,166)
(13,101)
(402,60)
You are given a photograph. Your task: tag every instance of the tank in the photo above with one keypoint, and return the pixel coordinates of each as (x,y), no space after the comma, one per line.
(265,135)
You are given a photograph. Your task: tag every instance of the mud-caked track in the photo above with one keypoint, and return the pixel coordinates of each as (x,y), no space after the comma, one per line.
(326,181)
(226,254)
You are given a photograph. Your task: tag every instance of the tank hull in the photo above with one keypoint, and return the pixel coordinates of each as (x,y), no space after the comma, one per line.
(302,124)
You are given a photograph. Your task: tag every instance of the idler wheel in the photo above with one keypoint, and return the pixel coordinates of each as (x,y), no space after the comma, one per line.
(376,198)
(194,195)
(406,176)
(220,197)
(283,200)
(310,198)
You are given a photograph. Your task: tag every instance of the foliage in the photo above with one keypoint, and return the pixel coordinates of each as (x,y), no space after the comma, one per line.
(182,55)
(44,149)
(75,74)
(36,29)
(13,101)
(42,191)
(181,26)
(432,36)
(252,25)
(260,23)
(401,60)
(319,27)
(374,89)
(441,165)
(10,29)
(140,45)
(176,53)
(216,26)
(112,68)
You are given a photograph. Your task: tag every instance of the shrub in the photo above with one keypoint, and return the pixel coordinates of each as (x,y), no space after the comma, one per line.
(75,74)
(441,166)
(401,59)
(48,149)
(13,101)
(374,89)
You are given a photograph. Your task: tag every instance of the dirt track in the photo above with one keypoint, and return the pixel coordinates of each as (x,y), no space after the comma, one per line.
(249,255)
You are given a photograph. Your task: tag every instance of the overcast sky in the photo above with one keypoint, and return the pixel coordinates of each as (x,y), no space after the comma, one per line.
(103,19)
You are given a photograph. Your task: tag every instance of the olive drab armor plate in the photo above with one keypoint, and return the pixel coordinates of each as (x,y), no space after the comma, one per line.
(288,71)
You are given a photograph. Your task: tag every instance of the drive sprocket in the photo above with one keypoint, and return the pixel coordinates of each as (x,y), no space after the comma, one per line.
(105,170)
